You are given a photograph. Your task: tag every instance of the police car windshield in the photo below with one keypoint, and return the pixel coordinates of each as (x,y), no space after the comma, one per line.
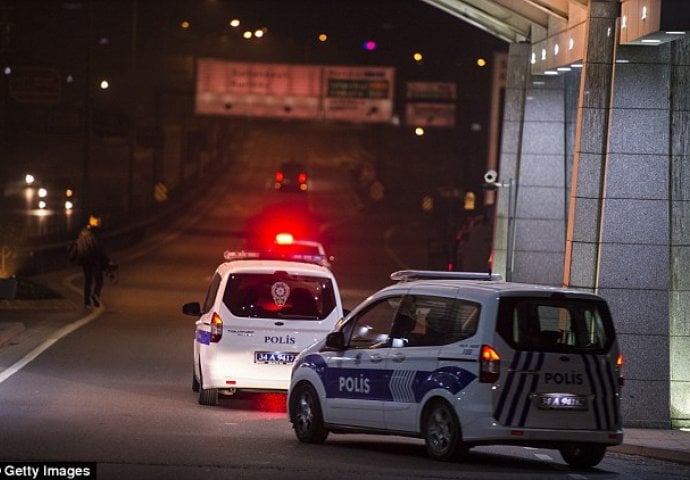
(290,297)
(555,325)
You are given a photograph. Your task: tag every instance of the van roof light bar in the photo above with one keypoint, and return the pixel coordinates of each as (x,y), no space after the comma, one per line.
(409,275)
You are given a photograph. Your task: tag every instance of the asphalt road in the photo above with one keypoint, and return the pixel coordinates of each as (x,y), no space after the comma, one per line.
(117,391)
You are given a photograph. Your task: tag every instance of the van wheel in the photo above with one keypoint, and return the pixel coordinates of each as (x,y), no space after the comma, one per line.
(583,455)
(207,396)
(442,433)
(307,419)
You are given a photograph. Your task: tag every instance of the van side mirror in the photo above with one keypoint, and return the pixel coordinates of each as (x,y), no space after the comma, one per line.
(193,309)
(335,340)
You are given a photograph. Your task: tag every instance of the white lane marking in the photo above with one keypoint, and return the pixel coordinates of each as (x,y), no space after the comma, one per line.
(67,282)
(63,332)
(543,456)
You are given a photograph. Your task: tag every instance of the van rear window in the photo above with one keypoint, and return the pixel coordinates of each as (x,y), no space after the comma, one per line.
(555,325)
(279,295)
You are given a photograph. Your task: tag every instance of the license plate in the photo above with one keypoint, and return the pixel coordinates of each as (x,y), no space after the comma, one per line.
(562,401)
(274,358)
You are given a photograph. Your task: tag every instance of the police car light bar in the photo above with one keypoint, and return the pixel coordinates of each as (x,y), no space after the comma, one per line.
(229,256)
(409,275)
(240,255)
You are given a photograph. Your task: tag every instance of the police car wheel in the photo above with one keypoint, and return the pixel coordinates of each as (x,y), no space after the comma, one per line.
(442,433)
(207,396)
(583,456)
(307,419)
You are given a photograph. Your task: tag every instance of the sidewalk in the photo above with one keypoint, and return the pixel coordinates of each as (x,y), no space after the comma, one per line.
(16,316)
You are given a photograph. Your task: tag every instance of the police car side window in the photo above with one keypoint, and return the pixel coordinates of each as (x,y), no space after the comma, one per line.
(211,294)
(440,320)
(371,328)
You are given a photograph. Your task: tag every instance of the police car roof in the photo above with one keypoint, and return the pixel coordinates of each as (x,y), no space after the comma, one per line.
(265,263)
(479,285)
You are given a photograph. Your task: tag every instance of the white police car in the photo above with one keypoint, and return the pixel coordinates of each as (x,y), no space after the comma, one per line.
(260,311)
(462,360)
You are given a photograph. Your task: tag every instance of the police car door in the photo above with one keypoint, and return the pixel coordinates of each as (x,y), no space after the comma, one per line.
(560,364)
(424,324)
(356,378)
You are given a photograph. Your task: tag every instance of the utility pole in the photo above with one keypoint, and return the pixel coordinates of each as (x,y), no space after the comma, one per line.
(134,94)
(87,113)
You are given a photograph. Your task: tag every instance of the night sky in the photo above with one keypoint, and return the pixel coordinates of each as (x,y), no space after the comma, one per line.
(54,32)
(97,38)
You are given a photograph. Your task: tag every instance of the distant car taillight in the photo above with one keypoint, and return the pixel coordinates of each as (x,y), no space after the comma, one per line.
(619,370)
(216,328)
(280,177)
(302,178)
(489,365)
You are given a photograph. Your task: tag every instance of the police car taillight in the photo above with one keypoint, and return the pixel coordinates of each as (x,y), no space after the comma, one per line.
(619,369)
(216,328)
(489,365)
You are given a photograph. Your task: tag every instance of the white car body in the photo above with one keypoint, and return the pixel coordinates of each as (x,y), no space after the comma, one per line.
(250,344)
(467,362)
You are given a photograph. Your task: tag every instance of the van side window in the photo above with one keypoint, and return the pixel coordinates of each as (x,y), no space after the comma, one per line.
(371,328)
(425,320)
(562,325)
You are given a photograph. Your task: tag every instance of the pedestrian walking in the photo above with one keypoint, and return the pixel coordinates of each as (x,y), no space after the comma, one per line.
(88,252)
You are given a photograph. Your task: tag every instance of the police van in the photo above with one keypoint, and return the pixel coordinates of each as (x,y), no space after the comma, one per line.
(261,310)
(464,359)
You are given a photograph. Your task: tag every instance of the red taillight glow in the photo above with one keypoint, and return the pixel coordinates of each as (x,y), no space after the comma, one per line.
(489,365)
(302,178)
(216,328)
(280,177)
(619,369)
(284,239)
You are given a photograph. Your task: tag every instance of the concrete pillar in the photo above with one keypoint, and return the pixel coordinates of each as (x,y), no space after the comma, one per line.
(680,233)
(629,227)
(529,236)
(592,126)
(511,141)
(633,252)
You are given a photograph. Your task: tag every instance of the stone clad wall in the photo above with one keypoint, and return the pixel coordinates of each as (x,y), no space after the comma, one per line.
(679,320)
(633,273)
(615,140)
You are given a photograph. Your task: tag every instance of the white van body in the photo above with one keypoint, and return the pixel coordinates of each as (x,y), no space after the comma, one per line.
(462,363)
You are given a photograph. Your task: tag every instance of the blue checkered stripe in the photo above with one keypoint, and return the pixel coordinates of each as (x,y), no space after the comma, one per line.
(404,386)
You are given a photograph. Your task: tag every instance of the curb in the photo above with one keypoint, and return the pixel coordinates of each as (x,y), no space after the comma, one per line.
(677,456)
